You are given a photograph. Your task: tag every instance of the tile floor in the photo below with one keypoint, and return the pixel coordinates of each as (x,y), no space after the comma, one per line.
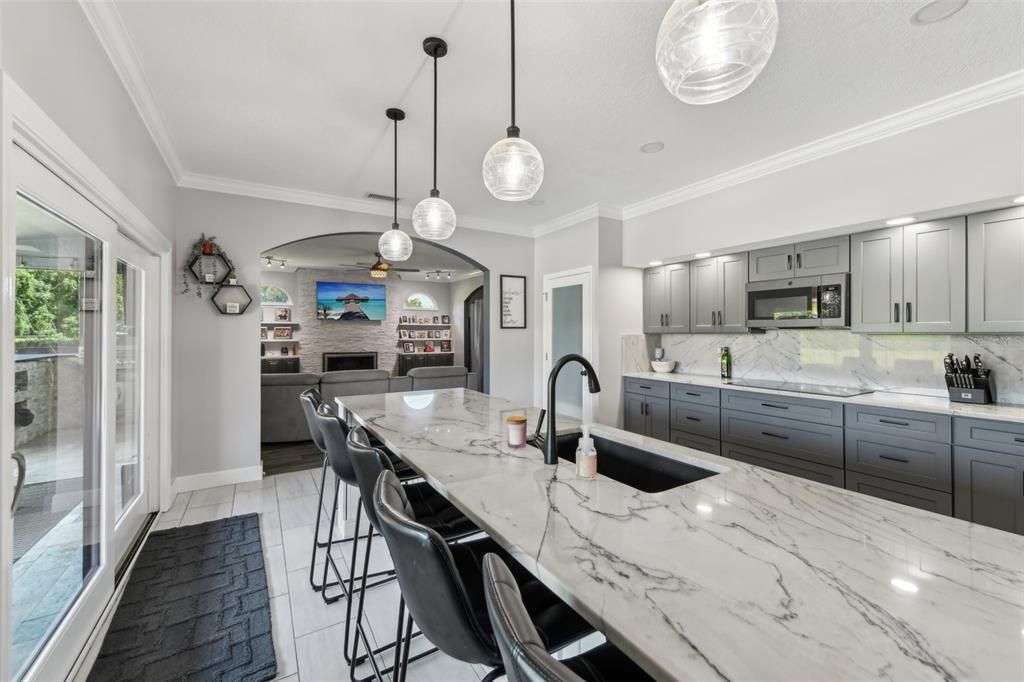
(308,634)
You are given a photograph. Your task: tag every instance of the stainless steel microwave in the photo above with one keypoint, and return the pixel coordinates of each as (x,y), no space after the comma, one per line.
(799,302)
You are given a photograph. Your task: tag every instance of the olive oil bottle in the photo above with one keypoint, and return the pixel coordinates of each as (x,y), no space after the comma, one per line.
(726,359)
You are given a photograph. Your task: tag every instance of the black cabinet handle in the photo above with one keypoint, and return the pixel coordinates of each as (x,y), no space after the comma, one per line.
(646,388)
(789,261)
(668,319)
(1018,440)
(896,312)
(893,422)
(901,460)
(774,435)
(694,419)
(908,311)
(798,263)
(698,395)
(775,407)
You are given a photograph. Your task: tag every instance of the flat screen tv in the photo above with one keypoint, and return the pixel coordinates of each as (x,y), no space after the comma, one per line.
(351,301)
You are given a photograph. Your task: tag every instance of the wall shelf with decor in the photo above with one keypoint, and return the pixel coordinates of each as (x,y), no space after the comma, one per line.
(231,299)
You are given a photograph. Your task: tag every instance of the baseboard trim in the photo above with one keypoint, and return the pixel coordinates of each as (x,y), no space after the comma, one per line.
(184,484)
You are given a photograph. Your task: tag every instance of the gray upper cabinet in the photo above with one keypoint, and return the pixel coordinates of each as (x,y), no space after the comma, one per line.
(807,259)
(909,278)
(934,273)
(718,294)
(772,263)
(995,271)
(667,299)
(876,280)
(822,257)
(655,293)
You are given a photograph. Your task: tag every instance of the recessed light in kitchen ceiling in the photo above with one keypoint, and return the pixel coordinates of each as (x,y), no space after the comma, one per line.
(702,254)
(1019,200)
(936,11)
(905,220)
(652,147)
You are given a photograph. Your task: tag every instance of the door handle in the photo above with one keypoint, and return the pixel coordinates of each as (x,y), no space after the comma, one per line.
(777,407)
(774,435)
(896,312)
(694,419)
(901,460)
(789,261)
(893,422)
(20,459)
(908,311)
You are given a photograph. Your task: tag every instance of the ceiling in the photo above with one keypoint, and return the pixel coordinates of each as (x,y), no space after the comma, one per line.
(330,251)
(292,95)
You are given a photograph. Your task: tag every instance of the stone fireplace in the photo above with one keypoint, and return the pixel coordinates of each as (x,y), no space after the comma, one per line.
(333,362)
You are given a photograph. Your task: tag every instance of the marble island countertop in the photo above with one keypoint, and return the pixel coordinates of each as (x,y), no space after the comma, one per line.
(900,401)
(748,574)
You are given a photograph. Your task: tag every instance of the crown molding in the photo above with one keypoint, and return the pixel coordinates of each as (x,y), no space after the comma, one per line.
(109,28)
(984,94)
(591,212)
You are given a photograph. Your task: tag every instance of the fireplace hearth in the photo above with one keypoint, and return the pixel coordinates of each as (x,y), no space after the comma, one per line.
(333,362)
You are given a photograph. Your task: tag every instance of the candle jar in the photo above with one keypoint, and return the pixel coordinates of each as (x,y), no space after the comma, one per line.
(516,425)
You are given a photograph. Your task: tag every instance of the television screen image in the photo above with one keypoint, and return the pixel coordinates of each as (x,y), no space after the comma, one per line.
(351,301)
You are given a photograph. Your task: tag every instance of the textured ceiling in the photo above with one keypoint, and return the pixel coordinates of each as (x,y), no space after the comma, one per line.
(293,94)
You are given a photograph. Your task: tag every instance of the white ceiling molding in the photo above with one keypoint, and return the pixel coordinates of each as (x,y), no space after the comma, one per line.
(591,212)
(113,36)
(982,95)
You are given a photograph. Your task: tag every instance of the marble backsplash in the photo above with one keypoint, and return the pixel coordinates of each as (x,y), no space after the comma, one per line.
(907,363)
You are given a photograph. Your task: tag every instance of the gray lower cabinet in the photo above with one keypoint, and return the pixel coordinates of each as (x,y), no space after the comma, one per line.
(989,488)
(787,465)
(910,460)
(995,271)
(702,443)
(903,493)
(647,415)
(802,440)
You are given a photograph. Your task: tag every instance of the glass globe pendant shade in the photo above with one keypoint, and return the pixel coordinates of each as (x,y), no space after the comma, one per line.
(434,218)
(513,169)
(395,245)
(710,50)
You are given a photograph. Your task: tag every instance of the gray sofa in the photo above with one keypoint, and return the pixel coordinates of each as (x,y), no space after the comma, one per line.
(281,417)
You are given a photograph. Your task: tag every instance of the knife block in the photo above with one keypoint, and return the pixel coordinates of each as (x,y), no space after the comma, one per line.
(983,392)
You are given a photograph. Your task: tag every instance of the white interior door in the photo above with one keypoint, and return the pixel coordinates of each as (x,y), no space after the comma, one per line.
(568,315)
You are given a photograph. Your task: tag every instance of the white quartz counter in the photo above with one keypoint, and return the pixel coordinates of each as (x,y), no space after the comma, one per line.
(749,574)
(901,401)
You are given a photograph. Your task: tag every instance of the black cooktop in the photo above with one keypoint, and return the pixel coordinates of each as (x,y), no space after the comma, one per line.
(794,387)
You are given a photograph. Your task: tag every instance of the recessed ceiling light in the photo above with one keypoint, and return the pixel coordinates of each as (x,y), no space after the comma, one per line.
(536,202)
(654,262)
(702,254)
(905,585)
(1019,200)
(905,220)
(935,11)
(652,147)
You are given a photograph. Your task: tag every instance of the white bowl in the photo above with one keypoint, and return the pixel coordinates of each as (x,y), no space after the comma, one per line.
(663,365)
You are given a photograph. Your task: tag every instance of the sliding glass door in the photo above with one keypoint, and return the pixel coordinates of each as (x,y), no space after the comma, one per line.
(78,422)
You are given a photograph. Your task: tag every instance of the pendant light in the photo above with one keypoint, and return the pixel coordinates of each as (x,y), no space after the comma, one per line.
(513,168)
(395,245)
(710,50)
(434,218)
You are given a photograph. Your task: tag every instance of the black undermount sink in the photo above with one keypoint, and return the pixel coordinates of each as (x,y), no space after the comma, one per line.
(640,469)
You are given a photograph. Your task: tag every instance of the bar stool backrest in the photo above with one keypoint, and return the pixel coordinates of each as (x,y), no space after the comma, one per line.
(334,432)
(311,402)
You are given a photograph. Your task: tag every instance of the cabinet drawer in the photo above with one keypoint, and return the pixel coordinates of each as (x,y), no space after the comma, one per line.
(787,465)
(933,427)
(910,495)
(1005,437)
(696,419)
(696,394)
(910,460)
(811,442)
(657,389)
(702,443)
(817,411)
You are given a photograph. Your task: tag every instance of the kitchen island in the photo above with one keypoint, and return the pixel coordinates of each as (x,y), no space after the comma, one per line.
(747,574)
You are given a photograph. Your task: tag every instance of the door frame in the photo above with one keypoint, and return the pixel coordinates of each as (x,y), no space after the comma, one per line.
(585,277)
(24,123)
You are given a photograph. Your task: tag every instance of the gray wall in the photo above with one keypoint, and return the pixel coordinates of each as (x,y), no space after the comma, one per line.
(217,372)
(459,291)
(51,52)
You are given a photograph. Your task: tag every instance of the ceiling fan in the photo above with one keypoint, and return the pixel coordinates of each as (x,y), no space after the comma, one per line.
(378,269)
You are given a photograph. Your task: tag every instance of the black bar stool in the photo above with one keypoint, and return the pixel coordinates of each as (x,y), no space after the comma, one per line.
(522,650)
(443,588)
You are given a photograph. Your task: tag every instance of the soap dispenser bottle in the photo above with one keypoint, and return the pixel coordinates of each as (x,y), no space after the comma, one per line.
(586,456)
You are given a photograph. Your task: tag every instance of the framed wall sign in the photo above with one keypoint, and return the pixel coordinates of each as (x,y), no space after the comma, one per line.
(513,302)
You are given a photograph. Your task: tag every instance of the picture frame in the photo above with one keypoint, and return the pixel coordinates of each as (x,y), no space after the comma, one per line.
(282,314)
(403,319)
(446,333)
(430,333)
(513,301)
(263,333)
(403,333)
(409,347)
(429,347)
(283,333)
(421,334)
(446,319)
(232,307)
(446,346)
(437,319)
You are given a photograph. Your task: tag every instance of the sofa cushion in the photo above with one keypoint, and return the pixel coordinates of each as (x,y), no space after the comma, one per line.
(298,379)
(347,375)
(434,372)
